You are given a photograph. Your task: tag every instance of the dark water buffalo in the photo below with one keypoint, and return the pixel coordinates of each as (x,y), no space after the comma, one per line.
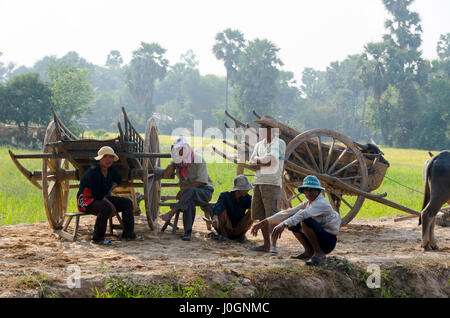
(436,180)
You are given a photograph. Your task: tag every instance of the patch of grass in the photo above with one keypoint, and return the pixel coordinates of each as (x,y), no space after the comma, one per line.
(39,281)
(222,291)
(386,290)
(125,287)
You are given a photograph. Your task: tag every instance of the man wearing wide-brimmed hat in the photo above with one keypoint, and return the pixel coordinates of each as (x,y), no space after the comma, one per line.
(267,160)
(229,214)
(314,223)
(94,197)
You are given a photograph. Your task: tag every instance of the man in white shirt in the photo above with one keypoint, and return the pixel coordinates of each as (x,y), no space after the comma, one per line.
(314,223)
(267,160)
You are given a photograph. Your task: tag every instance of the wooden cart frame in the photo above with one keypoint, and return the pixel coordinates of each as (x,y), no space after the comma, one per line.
(65,158)
(347,170)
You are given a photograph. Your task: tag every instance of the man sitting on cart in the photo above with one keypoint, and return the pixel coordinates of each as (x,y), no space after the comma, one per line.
(94,197)
(196,187)
(314,223)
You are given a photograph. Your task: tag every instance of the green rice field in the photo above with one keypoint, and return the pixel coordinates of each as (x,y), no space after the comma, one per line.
(21,202)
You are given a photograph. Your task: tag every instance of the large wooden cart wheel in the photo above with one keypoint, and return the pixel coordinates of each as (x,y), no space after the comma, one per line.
(152,187)
(54,188)
(330,156)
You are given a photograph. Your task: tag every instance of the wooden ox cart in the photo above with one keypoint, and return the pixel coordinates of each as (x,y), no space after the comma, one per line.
(65,158)
(347,170)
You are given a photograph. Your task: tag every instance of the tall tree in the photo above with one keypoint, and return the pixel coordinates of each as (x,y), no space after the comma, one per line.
(6,71)
(114,59)
(25,100)
(289,97)
(146,67)
(313,84)
(256,79)
(228,47)
(373,76)
(405,65)
(443,46)
(72,94)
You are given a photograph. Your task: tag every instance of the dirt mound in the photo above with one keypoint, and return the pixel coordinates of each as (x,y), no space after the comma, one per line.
(34,262)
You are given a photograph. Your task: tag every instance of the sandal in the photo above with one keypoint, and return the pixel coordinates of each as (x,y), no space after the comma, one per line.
(274,251)
(258,248)
(136,238)
(243,240)
(213,235)
(315,261)
(103,242)
(302,257)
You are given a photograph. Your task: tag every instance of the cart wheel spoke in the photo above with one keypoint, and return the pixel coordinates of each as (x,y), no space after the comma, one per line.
(311,157)
(337,160)
(301,160)
(319,147)
(330,199)
(51,187)
(330,153)
(341,198)
(354,162)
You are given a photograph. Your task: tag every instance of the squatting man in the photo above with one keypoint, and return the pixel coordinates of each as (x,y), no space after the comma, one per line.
(314,223)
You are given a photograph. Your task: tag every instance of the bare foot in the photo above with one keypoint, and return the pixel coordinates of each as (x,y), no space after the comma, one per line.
(166,217)
(319,255)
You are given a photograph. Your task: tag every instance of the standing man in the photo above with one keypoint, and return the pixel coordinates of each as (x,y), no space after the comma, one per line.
(196,187)
(267,160)
(314,223)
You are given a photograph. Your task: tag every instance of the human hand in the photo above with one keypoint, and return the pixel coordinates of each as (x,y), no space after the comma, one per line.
(169,172)
(215,221)
(276,233)
(113,208)
(257,227)
(180,193)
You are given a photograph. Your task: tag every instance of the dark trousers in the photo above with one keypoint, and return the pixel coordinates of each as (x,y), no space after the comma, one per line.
(189,200)
(103,211)
(327,241)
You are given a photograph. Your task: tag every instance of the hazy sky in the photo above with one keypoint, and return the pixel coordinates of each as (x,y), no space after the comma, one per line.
(309,33)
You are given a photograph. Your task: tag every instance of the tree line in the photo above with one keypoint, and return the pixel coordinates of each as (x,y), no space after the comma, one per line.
(388,92)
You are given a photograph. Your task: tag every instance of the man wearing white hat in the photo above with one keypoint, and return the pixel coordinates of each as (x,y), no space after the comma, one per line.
(94,197)
(196,187)
(229,214)
(314,223)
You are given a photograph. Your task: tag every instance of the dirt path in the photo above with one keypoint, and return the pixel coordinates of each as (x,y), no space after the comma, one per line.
(32,249)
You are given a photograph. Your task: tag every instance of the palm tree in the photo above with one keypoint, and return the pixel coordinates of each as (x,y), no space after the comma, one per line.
(228,47)
(373,74)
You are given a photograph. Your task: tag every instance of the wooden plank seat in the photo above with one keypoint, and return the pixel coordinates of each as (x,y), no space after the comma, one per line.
(207,209)
(73,236)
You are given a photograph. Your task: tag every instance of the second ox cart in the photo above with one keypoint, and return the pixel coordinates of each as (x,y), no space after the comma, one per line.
(348,171)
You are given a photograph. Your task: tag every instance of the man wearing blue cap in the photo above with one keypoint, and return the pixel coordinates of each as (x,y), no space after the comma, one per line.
(314,223)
